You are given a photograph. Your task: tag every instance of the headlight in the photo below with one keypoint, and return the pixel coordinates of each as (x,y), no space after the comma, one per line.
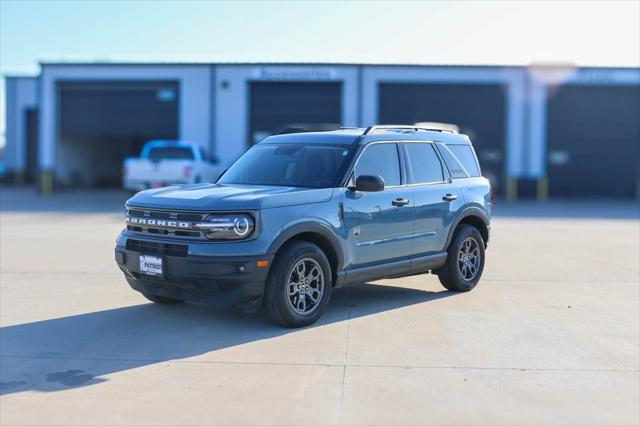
(227,226)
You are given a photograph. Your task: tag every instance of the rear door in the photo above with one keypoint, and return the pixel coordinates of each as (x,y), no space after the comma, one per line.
(436,197)
(379,228)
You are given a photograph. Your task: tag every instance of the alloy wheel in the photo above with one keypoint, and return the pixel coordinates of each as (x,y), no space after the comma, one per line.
(469,259)
(305,286)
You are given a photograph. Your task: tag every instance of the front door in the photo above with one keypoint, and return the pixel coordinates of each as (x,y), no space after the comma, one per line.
(379,227)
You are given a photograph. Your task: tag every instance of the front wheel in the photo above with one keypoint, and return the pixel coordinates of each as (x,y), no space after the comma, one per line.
(299,285)
(465,260)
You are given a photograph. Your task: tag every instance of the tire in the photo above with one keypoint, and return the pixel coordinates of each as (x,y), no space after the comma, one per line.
(299,308)
(455,275)
(162,300)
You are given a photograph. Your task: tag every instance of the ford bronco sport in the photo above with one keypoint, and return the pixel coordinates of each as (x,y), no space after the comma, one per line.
(300,214)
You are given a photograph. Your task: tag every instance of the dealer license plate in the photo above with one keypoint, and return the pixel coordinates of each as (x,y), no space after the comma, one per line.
(150,265)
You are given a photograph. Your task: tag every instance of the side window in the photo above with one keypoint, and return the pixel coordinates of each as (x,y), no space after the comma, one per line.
(380,159)
(465,154)
(455,168)
(424,162)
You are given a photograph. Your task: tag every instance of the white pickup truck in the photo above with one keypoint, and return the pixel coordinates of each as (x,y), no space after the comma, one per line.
(163,163)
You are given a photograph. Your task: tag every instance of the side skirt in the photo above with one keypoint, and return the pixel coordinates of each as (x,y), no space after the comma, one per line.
(395,269)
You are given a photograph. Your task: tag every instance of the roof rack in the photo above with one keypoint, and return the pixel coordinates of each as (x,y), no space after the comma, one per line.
(372,129)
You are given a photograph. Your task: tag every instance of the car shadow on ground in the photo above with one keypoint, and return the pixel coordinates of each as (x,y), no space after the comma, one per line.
(36,356)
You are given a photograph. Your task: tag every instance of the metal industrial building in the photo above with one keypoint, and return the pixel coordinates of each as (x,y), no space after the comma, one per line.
(539,131)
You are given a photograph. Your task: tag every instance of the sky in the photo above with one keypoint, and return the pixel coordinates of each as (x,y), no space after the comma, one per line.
(590,33)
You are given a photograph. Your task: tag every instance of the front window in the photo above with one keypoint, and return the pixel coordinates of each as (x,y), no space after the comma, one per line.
(311,166)
(382,160)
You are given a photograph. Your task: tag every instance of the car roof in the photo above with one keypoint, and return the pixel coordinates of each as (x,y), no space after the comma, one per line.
(363,136)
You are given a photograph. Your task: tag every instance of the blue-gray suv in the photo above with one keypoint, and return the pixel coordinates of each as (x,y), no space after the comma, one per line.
(300,214)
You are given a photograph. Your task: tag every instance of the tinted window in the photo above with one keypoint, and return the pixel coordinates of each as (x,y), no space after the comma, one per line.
(424,162)
(171,152)
(288,165)
(455,168)
(380,159)
(465,154)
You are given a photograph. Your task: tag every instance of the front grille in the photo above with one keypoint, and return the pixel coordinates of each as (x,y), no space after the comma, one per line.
(179,250)
(158,229)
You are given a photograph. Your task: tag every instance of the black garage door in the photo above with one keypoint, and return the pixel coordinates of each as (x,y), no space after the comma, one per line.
(478,110)
(593,141)
(279,107)
(101,123)
(31,134)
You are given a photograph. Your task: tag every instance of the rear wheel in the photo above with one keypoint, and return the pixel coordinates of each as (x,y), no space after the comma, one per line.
(465,260)
(299,285)
(162,300)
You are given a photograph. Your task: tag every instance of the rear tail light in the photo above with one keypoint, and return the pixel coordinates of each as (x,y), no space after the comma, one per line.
(187,171)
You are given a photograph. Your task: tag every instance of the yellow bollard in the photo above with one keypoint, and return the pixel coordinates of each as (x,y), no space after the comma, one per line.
(512,189)
(46,182)
(542,189)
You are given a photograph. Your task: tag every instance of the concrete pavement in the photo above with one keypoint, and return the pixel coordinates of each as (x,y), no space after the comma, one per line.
(551,335)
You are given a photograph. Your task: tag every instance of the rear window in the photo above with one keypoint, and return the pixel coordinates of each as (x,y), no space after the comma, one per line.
(171,153)
(455,168)
(466,156)
(424,162)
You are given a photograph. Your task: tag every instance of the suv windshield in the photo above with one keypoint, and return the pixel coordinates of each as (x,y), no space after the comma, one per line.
(312,166)
(171,153)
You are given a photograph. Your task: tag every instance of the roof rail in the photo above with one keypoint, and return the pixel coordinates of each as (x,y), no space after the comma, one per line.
(372,129)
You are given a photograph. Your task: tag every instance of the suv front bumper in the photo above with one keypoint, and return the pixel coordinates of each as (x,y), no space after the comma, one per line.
(214,280)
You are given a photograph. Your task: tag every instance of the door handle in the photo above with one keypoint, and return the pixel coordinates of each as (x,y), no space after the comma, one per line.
(399,202)
(450,197)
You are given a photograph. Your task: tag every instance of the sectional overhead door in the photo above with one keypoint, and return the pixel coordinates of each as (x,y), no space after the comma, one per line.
(277,107)
(101,123)
(593,141)
(477,109)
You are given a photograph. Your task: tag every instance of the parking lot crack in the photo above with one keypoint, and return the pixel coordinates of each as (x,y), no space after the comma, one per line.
(346,351)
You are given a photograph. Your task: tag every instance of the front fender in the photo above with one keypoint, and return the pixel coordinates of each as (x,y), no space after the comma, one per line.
(311,226)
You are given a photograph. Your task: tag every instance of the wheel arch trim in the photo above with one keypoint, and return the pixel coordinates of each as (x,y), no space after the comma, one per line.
(309,227)
(470,211)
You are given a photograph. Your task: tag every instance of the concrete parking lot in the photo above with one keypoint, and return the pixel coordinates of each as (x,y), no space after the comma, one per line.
(550,336)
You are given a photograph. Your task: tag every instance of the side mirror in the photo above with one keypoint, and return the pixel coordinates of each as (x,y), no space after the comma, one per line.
(369,183)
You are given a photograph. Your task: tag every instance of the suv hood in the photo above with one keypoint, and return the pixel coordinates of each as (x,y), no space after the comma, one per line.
(214,197)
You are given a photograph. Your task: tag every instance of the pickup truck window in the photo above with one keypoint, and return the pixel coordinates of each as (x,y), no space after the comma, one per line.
(310,166)
(171,153)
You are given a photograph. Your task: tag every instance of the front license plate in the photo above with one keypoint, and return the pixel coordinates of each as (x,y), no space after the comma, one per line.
(150,265)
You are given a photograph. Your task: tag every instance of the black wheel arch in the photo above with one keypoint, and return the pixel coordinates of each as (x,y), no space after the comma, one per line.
(319,234)
(474,216)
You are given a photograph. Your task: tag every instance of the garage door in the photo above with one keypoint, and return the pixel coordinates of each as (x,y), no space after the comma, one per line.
(478,110)
(31,134)
(281,107)
(101,123)
(593,140)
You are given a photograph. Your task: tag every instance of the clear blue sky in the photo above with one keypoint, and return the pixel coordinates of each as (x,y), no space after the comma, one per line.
(603,33)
